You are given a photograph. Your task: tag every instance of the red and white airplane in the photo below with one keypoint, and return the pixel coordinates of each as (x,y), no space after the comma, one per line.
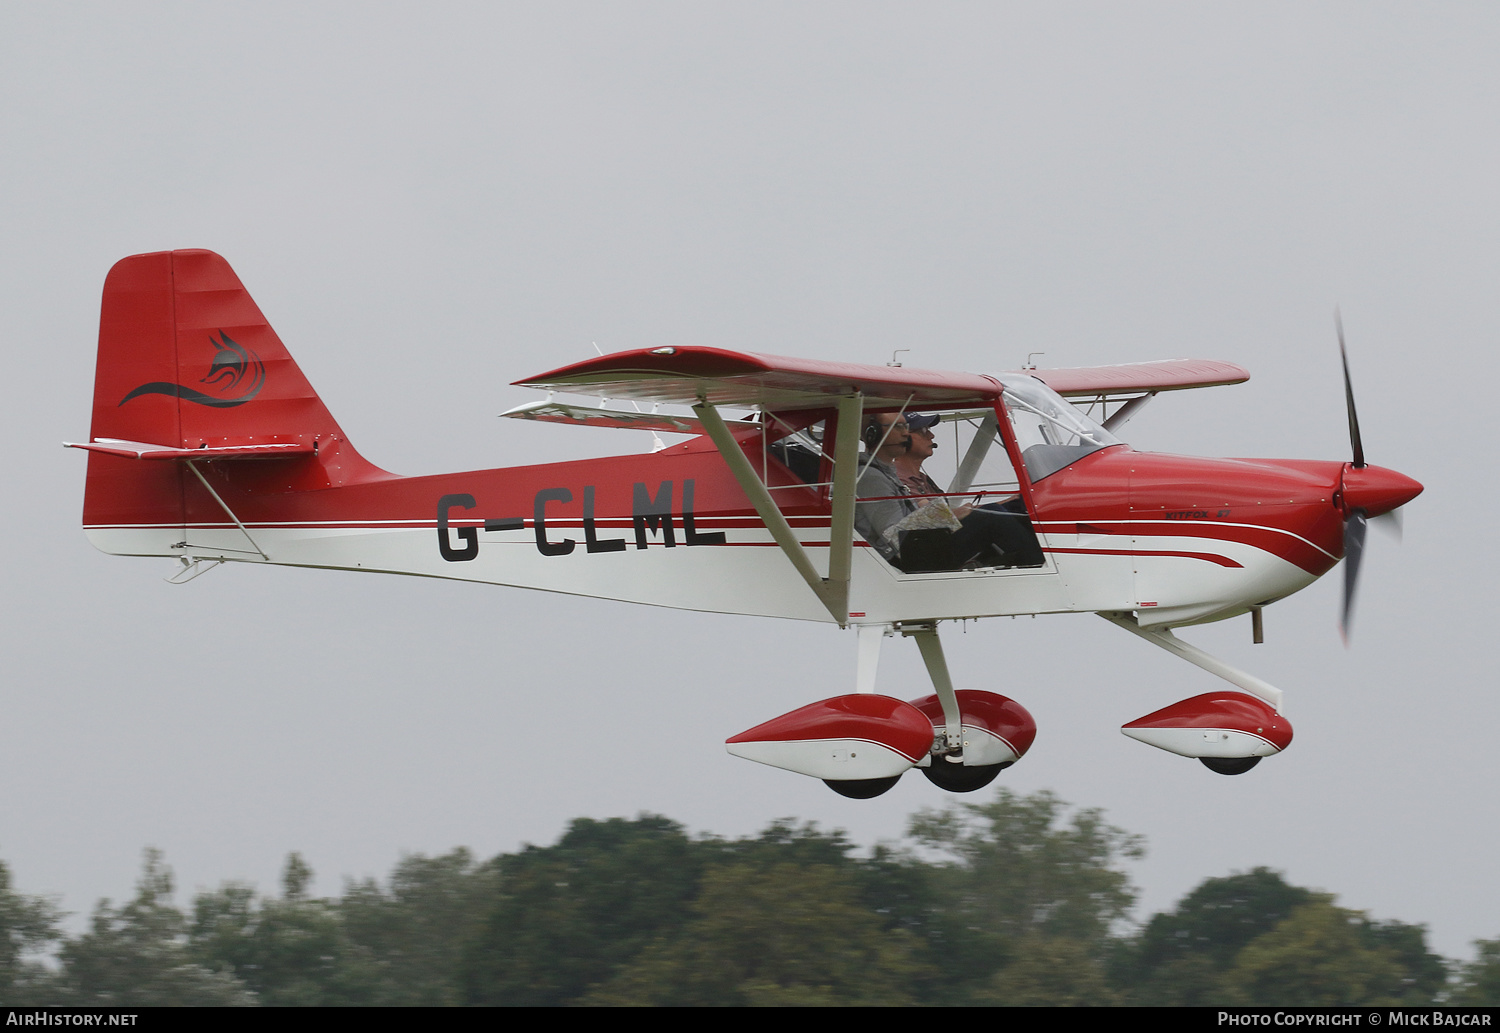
(209,445)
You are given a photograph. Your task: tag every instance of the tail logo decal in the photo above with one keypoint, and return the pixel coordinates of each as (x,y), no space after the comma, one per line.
(237,374)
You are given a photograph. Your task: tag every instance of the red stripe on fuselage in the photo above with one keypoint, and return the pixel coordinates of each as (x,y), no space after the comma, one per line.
(1223,561)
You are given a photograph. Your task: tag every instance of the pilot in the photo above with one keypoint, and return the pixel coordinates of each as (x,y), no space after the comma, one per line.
(957,537)
(886,439)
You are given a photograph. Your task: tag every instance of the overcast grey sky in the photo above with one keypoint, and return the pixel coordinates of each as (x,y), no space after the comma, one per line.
(431,201)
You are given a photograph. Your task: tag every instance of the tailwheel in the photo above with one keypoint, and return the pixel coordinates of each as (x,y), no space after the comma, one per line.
(1230,765)
(861,788)
(956,778)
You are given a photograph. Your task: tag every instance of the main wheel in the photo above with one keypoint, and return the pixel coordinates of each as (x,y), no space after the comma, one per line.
(861,788)
(1230,765)
(958,779)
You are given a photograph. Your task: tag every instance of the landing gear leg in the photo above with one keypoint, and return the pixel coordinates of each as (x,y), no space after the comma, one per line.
(946,769)
(1164,638)
(937,669)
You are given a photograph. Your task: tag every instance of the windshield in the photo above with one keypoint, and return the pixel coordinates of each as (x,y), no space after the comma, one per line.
(1051,431)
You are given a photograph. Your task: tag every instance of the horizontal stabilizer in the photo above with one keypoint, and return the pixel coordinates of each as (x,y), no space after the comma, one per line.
(142,450)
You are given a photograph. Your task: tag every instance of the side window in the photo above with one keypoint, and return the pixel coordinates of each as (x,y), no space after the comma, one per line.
(794,442)
(970,458)
(939,494)
(800,451)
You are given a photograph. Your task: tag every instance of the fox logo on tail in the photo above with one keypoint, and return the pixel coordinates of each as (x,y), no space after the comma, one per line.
(233,365)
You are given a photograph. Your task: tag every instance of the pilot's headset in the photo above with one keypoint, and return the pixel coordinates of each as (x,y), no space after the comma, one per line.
(874,431)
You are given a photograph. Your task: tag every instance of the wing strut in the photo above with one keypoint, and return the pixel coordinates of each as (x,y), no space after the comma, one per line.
(832,591)
(1164,638)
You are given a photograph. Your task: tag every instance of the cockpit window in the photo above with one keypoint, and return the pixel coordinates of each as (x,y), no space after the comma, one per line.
(800,451)
(1051,431)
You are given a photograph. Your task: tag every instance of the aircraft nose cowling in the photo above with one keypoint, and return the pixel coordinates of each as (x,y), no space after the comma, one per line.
(1376,490)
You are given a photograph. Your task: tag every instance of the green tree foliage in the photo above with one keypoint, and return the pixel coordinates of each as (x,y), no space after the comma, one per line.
(412,937)
(1320,955)
(1050,971)
(138,955)
(566,917)
(1013,875)
(1477,983)
(1423,973)
(289,951)
(28,925)
(1180,957)
(614,903)
(374,946)
(1236,939)
(1018,901)
(1014,868)
(780,934)
(892,883)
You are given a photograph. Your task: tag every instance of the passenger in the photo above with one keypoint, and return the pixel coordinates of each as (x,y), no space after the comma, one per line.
(921,444)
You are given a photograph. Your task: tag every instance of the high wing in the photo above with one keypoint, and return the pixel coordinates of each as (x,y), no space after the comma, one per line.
(1134,384)
(1139,377)
(748,380)
(695,375)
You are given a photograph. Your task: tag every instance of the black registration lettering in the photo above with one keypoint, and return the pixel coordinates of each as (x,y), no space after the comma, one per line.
(543,546)
(467,536)
(690,533)
(653,513)
(590,536)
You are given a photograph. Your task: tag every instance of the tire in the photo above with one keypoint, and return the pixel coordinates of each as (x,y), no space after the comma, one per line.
(956,778)
(861,788)
(1230,765)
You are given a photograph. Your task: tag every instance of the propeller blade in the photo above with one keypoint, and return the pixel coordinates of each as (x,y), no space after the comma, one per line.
(1354,548)
(1354,439)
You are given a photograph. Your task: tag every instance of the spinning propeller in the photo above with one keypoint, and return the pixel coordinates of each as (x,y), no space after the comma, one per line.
(1367,492)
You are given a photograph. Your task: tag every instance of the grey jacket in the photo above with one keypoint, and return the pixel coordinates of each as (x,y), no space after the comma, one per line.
(872,519)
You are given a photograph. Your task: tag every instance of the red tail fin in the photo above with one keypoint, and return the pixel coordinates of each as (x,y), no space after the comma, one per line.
(187,360)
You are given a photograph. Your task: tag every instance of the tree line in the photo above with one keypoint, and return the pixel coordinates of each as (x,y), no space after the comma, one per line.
(1018,901)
